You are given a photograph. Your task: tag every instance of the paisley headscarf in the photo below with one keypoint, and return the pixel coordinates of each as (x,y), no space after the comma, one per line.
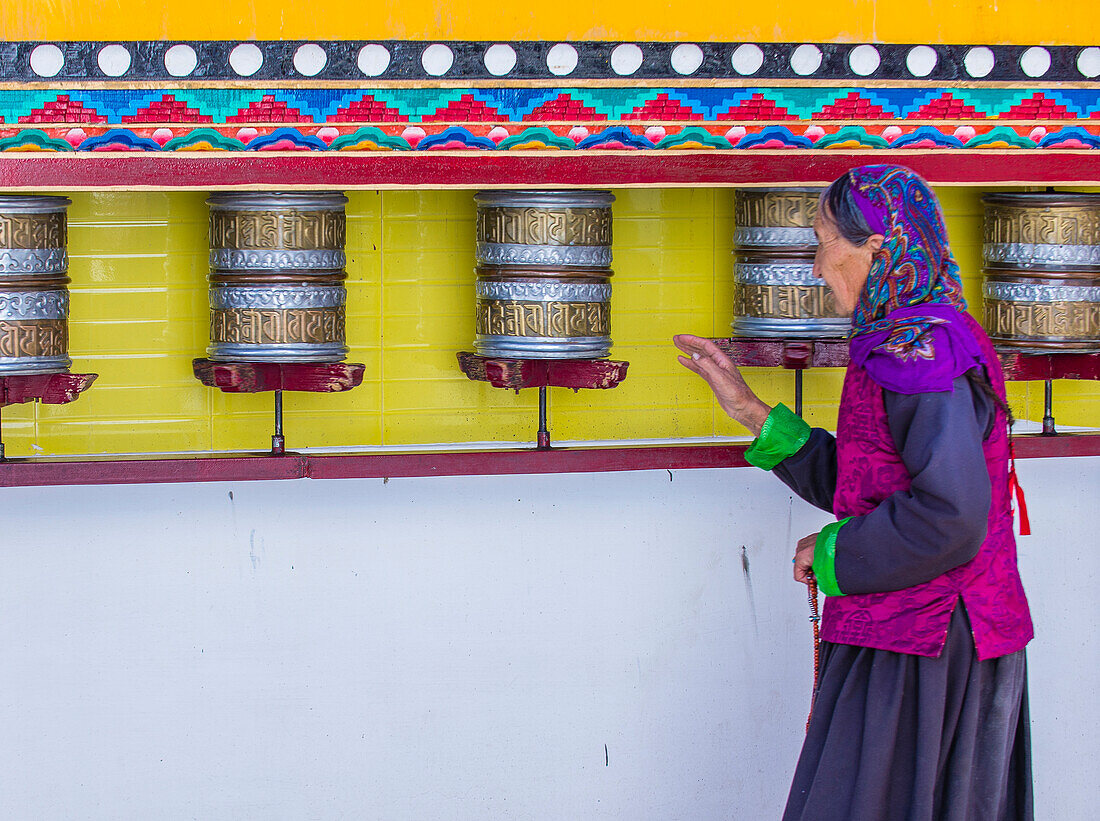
(909,308)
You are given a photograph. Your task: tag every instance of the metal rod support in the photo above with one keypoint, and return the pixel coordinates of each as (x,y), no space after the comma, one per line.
(544,432)
(798,392)
(1048,409)
(278,441)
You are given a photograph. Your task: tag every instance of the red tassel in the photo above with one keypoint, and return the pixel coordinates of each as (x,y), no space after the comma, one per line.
(1014,488)
(1025,523)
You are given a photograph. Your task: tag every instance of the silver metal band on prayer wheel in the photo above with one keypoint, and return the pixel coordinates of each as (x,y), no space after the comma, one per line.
(31,305)
(777,273)
(20,365)
(544,199)
(33,204)
(1036,292)
(33,261)
(227,351)
(773,237)
(1041,256)
(222,259)
(277,200)
(276,297)
(802,329)
(545,291)
(588,256)
(543,347)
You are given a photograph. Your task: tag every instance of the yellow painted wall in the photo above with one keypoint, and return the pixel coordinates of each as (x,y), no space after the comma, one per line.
(1050,22)
(139,316)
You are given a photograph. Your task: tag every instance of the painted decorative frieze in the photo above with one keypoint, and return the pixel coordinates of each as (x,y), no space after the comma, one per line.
(352,96)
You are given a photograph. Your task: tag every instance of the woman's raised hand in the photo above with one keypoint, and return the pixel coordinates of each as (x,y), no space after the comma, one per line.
(705,358)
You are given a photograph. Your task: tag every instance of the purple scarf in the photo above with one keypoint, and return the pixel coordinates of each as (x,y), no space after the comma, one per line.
(907,329)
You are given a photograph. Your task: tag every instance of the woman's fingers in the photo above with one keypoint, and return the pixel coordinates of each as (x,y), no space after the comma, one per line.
(699,349)
(707,360)
(690,364)
(712,374)
(682,340)
(691,344)
(722,380)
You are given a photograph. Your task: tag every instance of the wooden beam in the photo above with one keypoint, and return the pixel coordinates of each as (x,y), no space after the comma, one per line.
(144,470)
(20,171)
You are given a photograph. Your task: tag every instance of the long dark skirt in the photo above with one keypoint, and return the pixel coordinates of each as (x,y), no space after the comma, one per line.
(897,736)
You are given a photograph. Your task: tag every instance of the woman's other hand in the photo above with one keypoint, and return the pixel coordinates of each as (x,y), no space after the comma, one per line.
(734,395)
(804,558)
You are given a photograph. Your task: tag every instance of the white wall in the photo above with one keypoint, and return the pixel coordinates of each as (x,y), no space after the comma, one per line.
(458,648)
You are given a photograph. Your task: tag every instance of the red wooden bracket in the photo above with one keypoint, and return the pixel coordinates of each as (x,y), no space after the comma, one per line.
(1021,367)
(543,373)
(50,388)
(796,354)
(258,377)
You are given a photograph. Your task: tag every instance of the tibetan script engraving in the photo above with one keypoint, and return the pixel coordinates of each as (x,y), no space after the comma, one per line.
(544,226)
(1076,320)
(785,302)
(290,230)
(42,338)
(775,209)
(553,319)
(276,327)
(1049,226)
(33,231)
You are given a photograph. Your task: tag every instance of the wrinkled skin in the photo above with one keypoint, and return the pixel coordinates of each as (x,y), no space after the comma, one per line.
(845,267)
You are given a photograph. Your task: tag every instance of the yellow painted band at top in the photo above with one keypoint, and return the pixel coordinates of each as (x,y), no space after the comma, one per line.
(1004,22)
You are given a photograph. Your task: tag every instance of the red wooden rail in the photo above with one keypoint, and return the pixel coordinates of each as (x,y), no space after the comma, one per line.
(142,470)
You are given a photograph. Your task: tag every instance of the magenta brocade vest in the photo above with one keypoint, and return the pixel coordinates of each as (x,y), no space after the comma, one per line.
(915,620)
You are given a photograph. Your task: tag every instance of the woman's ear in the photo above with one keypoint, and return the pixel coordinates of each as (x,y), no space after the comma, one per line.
(874,242)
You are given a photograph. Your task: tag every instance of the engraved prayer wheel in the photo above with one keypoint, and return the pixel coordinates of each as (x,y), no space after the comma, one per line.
(1042,270)
(775,291)
(543,274)
(34,299)
(276,277)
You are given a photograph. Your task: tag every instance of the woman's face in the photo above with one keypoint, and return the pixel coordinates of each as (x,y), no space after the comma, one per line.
(843,265)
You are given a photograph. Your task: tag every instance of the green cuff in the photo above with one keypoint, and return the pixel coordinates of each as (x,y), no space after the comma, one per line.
(783,434)
(825,558)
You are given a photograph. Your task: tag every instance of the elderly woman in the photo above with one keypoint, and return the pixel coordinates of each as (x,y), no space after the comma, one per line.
(921,709)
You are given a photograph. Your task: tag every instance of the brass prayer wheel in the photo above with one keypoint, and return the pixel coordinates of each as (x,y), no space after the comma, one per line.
(775,291)
(1042,270)
(276,277)
(543,274)
(34,299)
